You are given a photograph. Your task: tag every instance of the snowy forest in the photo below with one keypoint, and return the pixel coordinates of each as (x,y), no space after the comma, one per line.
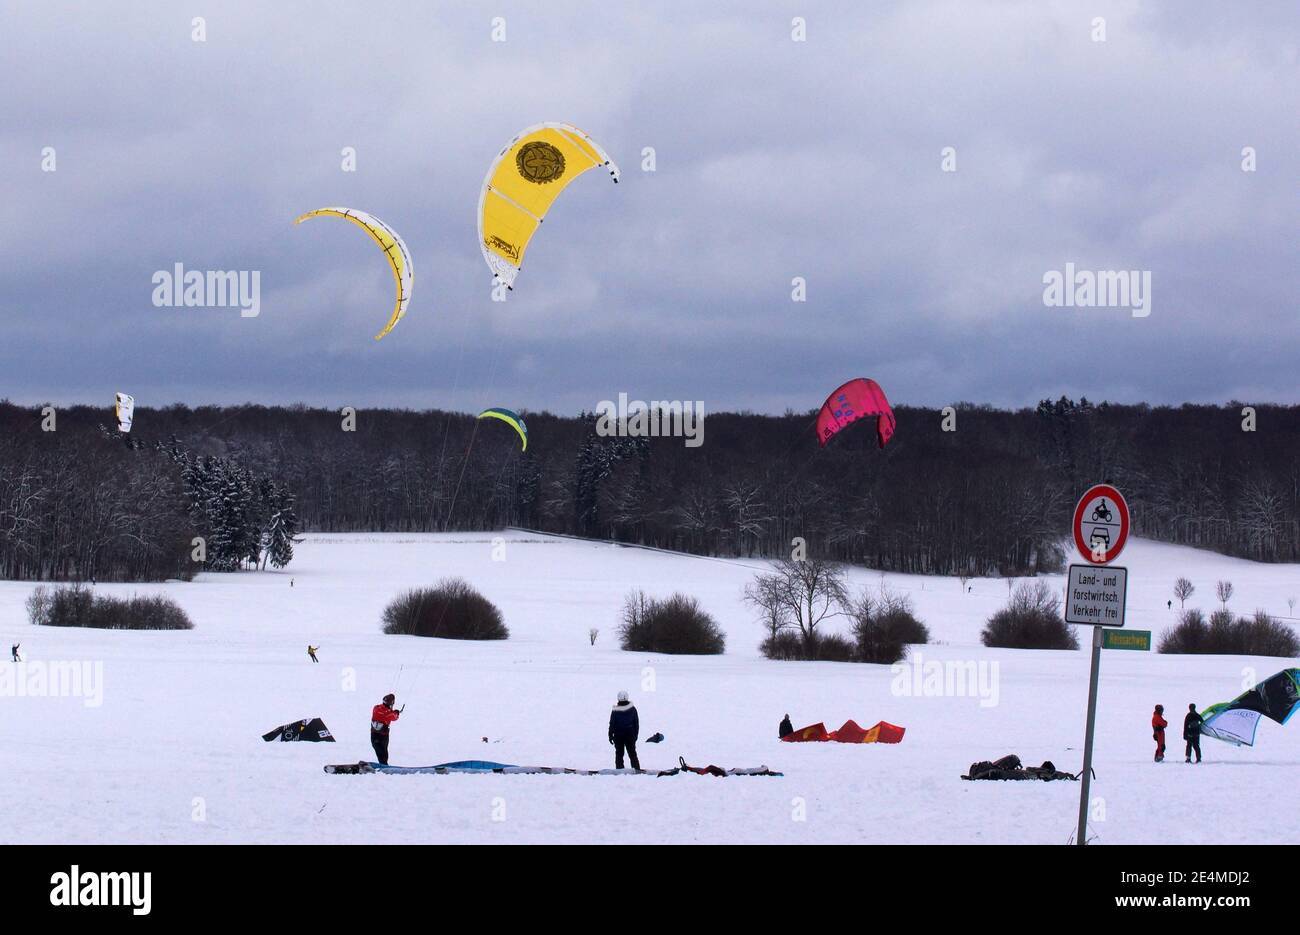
(975,491)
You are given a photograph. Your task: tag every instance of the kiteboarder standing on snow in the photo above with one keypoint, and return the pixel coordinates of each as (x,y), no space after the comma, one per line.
(786,728)
(380,718)
(1158,725)
(624,726)
(1192,732)
(13,651)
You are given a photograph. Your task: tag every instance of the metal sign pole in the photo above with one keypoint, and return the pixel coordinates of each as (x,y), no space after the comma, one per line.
(1087,740)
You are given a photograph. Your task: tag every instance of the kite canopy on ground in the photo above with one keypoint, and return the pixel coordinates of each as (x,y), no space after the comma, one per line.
(510,418)
(1009,768)
(521,185)
(1236,721)
(486,766)
(855,400)
(849,732)
(124,408)
(813,732)
(311,729)
(392,245)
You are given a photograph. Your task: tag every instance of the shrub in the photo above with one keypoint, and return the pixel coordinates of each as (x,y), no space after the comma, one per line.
(451,610)
(790,646)
(883,627)
(79,606)
(831,647)
(1260,635)
(38,606)
(674,625)
(1031,620)
(783,646)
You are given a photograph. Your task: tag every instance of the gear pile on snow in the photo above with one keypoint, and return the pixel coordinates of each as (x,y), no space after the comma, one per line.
(850,732)
(1009,768)
(312,729)
(487,766)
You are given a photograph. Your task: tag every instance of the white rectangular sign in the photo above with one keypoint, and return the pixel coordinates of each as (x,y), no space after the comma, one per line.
(1095,595)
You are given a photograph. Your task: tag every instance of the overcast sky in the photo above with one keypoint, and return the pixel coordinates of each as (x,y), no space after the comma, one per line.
(775,159)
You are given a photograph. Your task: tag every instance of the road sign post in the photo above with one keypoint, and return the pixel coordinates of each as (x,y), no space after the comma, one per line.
(1095,595)
(1087,736)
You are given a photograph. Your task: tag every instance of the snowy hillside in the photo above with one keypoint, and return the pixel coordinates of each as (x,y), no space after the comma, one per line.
(174,753)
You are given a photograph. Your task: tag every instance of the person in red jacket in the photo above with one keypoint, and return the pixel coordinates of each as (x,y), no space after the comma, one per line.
(382,716)
(1158,725)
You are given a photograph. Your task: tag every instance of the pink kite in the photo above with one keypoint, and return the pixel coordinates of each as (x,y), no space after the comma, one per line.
(852,401)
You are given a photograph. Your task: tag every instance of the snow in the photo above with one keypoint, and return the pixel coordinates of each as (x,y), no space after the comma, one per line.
(174,754)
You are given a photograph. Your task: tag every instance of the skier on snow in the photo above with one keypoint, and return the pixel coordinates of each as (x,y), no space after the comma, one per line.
(380,718)
(13,651)
(311,651)
(1192,732)
(1158,725)
(624,726)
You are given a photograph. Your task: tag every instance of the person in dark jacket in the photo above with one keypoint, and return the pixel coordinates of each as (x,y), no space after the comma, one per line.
(380,718)
(13,651)
(624,726)
(1192,732)
(786,728)
(1158,725)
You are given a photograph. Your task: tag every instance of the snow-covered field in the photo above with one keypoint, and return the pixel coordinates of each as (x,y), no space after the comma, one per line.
(174,754)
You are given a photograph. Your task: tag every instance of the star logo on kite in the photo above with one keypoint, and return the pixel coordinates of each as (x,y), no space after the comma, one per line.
(540,163)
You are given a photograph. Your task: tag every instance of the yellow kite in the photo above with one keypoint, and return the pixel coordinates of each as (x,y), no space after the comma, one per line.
(522,183)
(510,418)
(392,245)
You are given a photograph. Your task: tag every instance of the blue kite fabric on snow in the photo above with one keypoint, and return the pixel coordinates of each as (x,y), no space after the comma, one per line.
(487,766)
(1236,721)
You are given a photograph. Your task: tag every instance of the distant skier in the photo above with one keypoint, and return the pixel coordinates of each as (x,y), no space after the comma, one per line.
(13,651)
(786,728)
(380,718)
(624,726)
(1169,604)
(1192,732)
(1158,725)
(311,651)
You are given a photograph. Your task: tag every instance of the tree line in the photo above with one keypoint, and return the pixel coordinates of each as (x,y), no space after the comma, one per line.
(975,490)
(80,501)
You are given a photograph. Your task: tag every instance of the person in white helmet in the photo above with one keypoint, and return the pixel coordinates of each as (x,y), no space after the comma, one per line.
(624,726)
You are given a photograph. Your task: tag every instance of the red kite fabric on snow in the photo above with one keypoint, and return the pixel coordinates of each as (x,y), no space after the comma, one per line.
(814,732)
(852,401)
(881,732)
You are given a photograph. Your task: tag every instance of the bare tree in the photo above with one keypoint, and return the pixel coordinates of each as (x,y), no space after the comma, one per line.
(1224,591)
(1183,589)
(799,594)
(765,593)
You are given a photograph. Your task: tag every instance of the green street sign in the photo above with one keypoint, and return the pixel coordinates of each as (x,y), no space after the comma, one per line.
(1126,639)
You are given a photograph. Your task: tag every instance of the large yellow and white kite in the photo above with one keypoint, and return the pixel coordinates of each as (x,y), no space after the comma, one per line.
(522,183)
(392,245)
